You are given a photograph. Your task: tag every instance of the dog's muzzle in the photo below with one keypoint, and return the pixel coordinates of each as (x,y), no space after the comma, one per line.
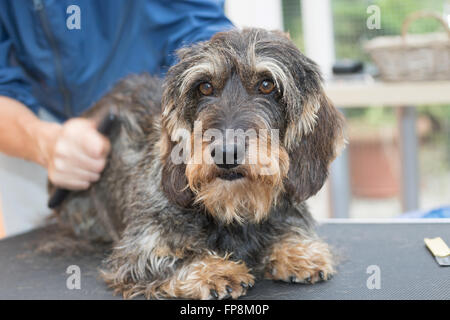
(230,157)
(228,161)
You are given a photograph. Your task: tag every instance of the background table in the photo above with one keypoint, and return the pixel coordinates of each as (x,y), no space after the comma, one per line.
(404,96)
(407,269)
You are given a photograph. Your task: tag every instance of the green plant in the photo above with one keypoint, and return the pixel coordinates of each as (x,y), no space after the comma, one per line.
(374,117)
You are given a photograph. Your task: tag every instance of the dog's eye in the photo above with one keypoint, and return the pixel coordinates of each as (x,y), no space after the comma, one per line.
(266,86)
(206,88)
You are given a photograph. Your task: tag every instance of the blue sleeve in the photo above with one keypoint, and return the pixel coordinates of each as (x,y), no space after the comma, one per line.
(196,20)
(13,82)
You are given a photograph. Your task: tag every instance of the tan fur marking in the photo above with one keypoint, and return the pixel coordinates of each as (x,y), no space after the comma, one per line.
(299,260)
(166,251)
(246,199)
(196,280)
(163,145)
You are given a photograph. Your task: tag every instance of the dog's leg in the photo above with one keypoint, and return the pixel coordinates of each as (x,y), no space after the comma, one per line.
(209,277)
(167,276)
(299,259)
(146,262)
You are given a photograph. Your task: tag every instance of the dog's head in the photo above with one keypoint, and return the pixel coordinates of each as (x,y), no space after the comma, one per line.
(245,120)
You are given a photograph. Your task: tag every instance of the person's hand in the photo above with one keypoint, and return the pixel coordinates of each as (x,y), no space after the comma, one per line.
(76,156)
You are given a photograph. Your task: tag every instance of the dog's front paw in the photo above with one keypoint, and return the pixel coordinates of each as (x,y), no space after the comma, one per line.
(300,261)
(212,277)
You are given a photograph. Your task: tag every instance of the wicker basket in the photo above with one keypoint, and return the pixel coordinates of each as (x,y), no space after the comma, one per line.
(413,57)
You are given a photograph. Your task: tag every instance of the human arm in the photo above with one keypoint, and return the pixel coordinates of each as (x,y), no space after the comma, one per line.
(74,153)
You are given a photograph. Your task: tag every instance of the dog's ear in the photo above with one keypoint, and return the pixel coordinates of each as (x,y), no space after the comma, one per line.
(314,135)
(177,102)
(311,154)
(174,185)
(173,178)
(173,181)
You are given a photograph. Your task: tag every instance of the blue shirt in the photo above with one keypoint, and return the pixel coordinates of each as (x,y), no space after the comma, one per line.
(44,63)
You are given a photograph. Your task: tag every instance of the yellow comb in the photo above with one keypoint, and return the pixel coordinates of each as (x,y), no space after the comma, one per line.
(439,249)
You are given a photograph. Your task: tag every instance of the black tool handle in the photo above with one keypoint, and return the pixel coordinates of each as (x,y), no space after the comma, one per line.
(105,127)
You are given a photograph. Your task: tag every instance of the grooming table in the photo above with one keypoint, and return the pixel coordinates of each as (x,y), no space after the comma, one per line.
(407,269)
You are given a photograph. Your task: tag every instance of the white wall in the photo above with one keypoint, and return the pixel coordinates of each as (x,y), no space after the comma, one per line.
(318,33)
(255,13)
(24,194)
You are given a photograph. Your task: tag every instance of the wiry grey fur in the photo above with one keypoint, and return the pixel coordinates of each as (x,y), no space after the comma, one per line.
(161,229)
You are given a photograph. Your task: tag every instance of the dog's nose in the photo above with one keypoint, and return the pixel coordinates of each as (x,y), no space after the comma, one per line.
(230,157)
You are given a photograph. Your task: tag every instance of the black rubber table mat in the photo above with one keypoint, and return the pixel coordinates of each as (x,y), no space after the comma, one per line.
(407,269)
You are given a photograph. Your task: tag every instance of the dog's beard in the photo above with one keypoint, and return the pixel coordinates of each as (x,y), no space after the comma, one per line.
(244,193)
